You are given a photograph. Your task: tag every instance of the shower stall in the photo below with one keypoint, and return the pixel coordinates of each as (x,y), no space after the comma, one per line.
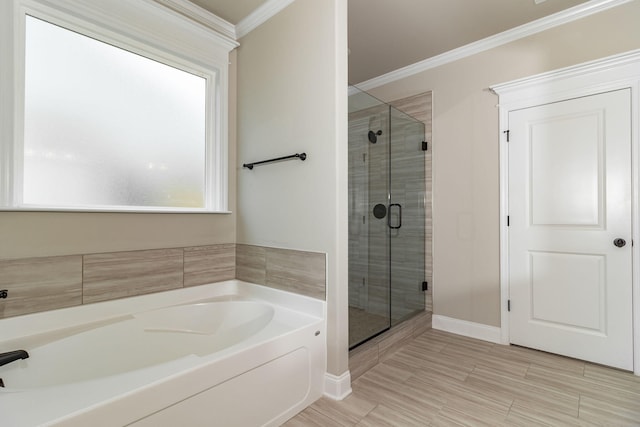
(386,216)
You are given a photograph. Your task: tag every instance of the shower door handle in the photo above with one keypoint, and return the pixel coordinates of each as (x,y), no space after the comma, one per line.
(399,206)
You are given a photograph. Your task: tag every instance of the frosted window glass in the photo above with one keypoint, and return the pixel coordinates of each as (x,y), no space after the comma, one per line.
(105,127)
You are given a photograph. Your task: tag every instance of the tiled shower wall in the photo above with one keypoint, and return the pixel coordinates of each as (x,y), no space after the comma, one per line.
(47,283)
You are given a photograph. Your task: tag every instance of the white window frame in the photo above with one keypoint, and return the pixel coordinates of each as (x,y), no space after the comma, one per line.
(143,27)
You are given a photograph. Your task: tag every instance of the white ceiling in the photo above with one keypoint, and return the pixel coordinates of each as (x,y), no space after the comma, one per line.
(385,35)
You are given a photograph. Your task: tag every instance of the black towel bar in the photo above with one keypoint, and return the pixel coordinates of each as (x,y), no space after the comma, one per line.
(301,156)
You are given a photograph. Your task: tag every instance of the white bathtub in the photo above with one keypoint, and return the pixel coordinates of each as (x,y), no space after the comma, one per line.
(225,354)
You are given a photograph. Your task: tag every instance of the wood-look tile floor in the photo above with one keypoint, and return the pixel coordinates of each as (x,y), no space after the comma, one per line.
(441,379)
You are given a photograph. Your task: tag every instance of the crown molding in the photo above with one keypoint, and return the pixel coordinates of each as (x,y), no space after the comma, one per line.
(259,16)
(203,17)
(572,14)
(630,59)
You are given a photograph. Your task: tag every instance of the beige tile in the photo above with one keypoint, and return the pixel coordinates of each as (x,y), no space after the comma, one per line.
(449,390)
(525,416)
(209,264)
(363,358)
(386,374)
(297,271)
(612,377)
(383,416)
(40,284)
(627,396)
(437,359)
(389,344)
(597,411)
(399,397)
(424,342)
(540,358)
(388,385)
(469,344)
(463,412)
(347,412)
(311,418)
(441,379)
(251,263)
(461,353)
(527,392)
(421,323)
(429,365)
(364,324)
(123,274)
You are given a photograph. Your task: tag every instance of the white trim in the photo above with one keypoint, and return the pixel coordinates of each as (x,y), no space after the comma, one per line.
(7,93)
(263,13)
(202,16)
(606,74)
(572,14)
(337,388)
(139,27)
(467,329)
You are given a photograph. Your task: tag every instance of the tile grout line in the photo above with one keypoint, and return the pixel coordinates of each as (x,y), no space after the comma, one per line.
(579,404)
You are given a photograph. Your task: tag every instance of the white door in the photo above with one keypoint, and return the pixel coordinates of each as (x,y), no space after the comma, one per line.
(569,201)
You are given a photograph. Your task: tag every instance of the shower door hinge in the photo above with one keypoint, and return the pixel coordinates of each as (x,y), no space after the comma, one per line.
(425,145)
(507,132)
(507,220)
(508,305)
(425,286)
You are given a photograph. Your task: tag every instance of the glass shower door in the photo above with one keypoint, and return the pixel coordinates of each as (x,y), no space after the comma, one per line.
(386,216)
(369,269)
(406,216)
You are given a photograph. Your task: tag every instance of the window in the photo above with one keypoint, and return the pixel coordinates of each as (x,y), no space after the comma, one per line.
(112,124)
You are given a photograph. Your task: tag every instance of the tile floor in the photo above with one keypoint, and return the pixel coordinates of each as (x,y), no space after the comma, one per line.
(441,379)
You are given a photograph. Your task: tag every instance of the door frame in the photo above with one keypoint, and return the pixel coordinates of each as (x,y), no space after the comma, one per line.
(603,75)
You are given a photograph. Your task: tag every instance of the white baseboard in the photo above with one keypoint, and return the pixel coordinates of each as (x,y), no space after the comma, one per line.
(467,329)
(337,388)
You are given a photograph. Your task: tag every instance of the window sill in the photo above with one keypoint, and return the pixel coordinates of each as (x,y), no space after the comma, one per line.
(136,210)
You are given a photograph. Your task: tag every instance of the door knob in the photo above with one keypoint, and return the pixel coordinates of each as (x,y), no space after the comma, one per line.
(619,242)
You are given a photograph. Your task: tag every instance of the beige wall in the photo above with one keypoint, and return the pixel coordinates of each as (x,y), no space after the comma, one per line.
(292,81)
(465,149)
(35,234)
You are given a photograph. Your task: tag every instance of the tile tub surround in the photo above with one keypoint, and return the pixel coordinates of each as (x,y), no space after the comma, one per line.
(48,283)
(289,270)
(207,264)
(122,274)
(40,284)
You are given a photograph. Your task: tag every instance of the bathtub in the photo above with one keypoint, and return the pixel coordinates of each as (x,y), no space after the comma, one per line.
(225,354)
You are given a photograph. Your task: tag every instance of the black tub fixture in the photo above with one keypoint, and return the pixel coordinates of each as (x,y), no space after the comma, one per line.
(12,356)
(301,156)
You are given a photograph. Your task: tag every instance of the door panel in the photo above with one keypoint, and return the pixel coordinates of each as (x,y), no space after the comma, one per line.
(569,199)
(406,216)
(566,164)
(557,278)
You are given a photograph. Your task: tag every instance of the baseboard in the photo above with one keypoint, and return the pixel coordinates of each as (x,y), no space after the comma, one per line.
(337,388)
(467,329)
